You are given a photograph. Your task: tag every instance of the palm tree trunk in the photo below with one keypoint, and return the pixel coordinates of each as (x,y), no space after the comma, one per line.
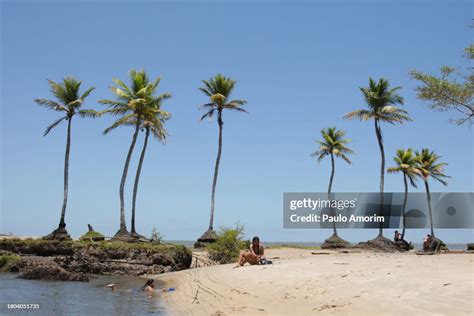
(216,169)
(62,222)
(378,132)
(333,213)
(137,178)
(404,205)
(123,225)
(428,196)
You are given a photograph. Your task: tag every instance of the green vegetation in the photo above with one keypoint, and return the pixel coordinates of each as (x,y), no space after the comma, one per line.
(137,106)
(406,164)
(227,247)
(453,90)
(334,145)
(382,104)
(218,89)
(7,260)
(156,237)
(69,102)
(90,236)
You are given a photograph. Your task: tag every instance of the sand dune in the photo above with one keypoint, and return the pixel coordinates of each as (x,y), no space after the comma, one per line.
(301,283)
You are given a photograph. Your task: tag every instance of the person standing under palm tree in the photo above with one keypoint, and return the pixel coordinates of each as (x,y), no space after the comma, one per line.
(382,104)
(68,103)
(334,145)
(218,89)
(406,164)
(429,167)
(131,104)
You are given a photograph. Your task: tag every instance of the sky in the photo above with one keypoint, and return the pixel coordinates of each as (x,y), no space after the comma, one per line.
(299,64)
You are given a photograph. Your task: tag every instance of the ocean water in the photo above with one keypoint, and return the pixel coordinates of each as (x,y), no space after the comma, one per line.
(78,298)
(418,246)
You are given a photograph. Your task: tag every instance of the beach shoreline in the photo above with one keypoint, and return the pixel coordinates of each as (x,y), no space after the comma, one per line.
(305,281)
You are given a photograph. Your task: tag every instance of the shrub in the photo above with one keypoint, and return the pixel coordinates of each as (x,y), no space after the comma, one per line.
(227,247)
(7,261)
(156,237)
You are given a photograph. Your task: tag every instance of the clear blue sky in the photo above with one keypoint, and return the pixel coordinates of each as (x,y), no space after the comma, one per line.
(298,63)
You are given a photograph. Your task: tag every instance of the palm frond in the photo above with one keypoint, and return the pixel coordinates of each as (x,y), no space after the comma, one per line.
(50,127)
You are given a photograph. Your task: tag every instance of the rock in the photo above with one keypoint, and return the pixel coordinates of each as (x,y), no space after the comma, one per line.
(73,260)
(470,246)
(40,268)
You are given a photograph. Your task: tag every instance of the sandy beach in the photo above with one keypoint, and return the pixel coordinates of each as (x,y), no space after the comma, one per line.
(302,282)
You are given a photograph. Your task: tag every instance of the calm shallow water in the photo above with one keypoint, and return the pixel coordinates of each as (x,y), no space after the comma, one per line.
(78,298)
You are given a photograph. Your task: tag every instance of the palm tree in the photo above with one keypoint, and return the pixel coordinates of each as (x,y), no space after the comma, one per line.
(382,104)
(68,103)
(429,167)
(218,89)
(406,164)
(152,122)
(333,145)
(131,104)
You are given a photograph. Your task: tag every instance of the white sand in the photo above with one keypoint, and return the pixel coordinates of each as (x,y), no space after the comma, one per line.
(299,283)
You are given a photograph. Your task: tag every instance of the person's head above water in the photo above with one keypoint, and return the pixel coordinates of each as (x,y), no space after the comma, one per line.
(150,282)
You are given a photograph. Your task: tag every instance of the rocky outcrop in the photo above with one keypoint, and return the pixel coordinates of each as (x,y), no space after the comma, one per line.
(73,261)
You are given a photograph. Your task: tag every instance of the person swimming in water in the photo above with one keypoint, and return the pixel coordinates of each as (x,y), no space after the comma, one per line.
(254,255)
(148,287)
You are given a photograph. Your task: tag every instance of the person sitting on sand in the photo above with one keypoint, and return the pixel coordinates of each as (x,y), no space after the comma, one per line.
(426,242)
(397,236)
(253,255)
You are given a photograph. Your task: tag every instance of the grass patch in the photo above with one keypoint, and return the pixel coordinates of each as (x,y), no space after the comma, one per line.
(91,235)
(8,260)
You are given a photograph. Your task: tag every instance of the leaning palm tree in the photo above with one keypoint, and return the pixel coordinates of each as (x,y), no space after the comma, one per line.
(382,104)
(68,103)
(429,167)
(131,104)
(406,164)
(152,121)
(334,145)
(218,89)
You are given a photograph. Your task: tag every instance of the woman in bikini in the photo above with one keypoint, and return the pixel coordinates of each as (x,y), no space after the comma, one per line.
(253,255)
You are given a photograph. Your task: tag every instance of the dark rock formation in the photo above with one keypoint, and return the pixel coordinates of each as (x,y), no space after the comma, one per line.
(46,268)
(72,261)
(470,246)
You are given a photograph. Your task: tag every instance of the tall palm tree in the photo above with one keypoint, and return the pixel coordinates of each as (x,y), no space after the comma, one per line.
(218,89)
(406,164)
(131,105)
(152,122)
(333,144)
(382,104)
(68,103)
(429,167)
